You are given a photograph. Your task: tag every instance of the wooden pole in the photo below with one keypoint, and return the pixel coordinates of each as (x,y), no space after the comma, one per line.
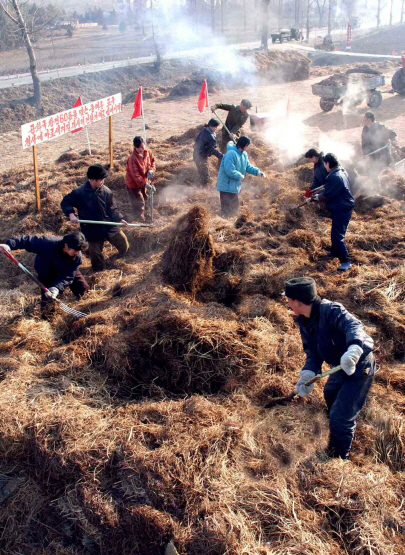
(37,197)
(111,143)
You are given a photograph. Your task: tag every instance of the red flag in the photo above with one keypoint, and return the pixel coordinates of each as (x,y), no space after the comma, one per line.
(76,105)
(403,60)
(138,104)
(203,98)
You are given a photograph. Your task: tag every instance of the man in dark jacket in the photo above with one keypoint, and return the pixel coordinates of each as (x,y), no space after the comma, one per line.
(320,172)
(57,261)
(236,119)
(376,137)
(331,334)
(340,202)
(205,146)
(95,201)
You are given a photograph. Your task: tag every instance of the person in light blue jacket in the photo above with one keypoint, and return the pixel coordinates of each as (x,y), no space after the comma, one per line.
(234,166)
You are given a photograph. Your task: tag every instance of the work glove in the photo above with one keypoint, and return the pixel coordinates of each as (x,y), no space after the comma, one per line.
(52,293)
(308,193)
(261,174)
(5,247)
(73,218)
(350,358)
(150,187)
(305,376)
(315,198)
(151,174)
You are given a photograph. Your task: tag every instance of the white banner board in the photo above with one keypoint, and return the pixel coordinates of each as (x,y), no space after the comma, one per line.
(52,127)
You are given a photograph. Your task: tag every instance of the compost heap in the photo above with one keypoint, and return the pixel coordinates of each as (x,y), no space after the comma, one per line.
(257,67)
(144,422)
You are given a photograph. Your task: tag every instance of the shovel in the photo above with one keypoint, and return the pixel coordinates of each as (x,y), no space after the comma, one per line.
(151,189)
(290,397)
(314,191)
(225,127)
(63,306)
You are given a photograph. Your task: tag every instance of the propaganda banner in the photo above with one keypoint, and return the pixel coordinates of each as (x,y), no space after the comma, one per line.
(52,127)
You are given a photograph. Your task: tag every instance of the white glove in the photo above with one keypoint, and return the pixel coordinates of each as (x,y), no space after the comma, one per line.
(350,358)
(52,293)
(73,218)
(261,174)
(315,198)
(5,247)
(151,174)
(305,376)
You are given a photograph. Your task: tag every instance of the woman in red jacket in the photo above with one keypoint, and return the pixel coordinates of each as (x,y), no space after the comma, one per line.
(140,170)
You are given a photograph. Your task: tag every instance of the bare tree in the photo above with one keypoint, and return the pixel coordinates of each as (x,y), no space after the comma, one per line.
(402,11)
(391,6)
(213,15)
(380,7)
(265,26)
(12,9)
(321,5)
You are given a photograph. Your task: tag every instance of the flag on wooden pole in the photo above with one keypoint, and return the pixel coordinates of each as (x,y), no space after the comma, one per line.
(138,104)
(203,98)
(76,105)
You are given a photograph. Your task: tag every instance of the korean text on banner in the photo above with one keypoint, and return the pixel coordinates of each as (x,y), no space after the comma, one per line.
(52,127)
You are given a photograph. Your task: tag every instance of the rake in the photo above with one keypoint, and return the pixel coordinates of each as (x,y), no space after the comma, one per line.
(63,306)
(290,397)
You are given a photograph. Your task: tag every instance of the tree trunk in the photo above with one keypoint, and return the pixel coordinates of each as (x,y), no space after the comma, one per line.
(213,15)
(265,27)
(402,11)
(392,1)
(37,98)
(308,7)
(329,17)
(378,14)
(223,15)
(244,16)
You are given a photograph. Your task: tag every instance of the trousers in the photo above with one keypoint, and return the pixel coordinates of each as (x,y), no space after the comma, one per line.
(202,167)
(229,204)
(118,240)
(340,222)
(138,198)
(345,396)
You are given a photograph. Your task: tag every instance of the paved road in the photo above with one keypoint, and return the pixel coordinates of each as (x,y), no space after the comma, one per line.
(48,75)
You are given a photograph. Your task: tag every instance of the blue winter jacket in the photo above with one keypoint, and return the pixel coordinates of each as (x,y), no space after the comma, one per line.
(329,332)
(337,191)
(235,164)
(53,266)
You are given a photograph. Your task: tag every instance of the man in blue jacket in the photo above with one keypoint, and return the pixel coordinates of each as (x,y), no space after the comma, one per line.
(205,146)
(340,202)
(234,166)
(57,261)
(331,334)
(320,172)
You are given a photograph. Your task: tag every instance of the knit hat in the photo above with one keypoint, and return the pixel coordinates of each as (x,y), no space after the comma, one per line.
(96,171)
(301,289)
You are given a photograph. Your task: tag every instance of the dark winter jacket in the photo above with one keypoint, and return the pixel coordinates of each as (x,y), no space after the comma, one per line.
(234,121)
(206,143)
(376,137)
(337,193)
(329,332)
(320,174)
(93,204)
(53,266)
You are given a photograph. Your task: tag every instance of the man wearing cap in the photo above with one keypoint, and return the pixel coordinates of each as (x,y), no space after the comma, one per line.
(340,202)
(205,146)
(236,118)
(375,138)
(331,334)
(94,201)
(234,166)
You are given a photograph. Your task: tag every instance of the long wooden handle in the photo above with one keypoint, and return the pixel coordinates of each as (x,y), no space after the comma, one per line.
(324,375)
(226,129)
(112,223)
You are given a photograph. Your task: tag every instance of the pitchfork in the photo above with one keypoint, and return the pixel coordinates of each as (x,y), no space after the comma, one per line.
(63,306)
